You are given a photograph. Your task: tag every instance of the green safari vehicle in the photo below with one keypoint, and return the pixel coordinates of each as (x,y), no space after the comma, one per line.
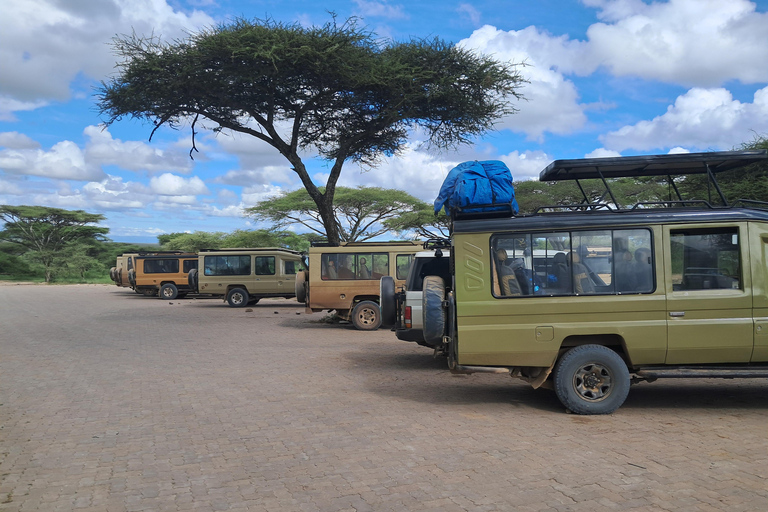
(587,299)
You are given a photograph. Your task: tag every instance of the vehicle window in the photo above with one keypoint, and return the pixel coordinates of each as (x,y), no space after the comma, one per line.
(189,265)
(169,266)
(365,266)
(227,265)
(130,264)
(573,263)
(403,263)
(430,267)
(265,266)
(704,259)
(290,267)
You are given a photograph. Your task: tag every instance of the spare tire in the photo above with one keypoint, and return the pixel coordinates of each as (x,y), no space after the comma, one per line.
(432,311)
(192,279)
(301,286)
(113,274)
(387,301)
(132,277)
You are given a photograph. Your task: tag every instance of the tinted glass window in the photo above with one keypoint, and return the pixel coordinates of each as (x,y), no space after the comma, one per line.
(165,266)
(265,266)
(403,262)
(704,259)
(359,266)
(290,267)
(573,263)
(189,265)
(227,265)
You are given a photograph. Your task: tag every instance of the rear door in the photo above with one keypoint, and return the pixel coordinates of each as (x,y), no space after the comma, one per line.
(709,294)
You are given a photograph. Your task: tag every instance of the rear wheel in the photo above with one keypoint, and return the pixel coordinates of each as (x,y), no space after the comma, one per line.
(387,301)
(366,316)
(237,297)
(168,291)
(591,379)
(433,313)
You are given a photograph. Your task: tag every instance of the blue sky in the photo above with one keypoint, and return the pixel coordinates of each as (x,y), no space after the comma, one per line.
(606,78)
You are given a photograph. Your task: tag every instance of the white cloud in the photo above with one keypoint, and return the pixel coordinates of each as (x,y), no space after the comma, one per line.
(526,165)
(701,118)
(16,140)
(689,42)
(602,153)
(7,187)
(253,195)
(380,9)
(552,102)
(168,184)
(49,42)
(102,149)
(251,177)
(65,160)
(469,11)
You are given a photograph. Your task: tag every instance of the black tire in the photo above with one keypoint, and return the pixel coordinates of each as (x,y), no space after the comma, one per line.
(591,379)
(366,316)
(113,274)
(432,311)
(237,298)
(168,292)
(132,277)
(148,292)
(387,301)
(192,279)
(301,286)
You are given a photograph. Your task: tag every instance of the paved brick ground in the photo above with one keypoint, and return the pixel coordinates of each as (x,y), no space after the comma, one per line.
(115,402)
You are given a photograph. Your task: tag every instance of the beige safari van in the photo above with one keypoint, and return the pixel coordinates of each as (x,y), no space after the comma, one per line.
(589,299)
(119,273)
(244,276)
(164,275)
(346,278)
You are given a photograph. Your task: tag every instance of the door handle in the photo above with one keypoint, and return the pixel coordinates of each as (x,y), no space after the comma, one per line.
(677,314)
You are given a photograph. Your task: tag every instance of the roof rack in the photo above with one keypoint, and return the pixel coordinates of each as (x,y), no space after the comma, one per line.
(652,165)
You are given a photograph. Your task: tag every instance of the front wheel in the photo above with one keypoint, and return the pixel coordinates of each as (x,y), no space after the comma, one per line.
(366,316)
(168,291)
(237,297)
(591,379)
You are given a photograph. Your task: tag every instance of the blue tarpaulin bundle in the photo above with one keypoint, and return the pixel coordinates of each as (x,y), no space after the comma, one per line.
(477,187)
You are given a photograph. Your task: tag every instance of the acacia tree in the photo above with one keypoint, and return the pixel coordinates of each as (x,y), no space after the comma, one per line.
(359,214)
(47,231)
(334,90)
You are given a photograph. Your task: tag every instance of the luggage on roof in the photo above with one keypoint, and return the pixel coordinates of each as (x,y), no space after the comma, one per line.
(477,187)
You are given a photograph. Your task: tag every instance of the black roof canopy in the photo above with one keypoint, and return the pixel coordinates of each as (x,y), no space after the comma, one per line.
(650,165)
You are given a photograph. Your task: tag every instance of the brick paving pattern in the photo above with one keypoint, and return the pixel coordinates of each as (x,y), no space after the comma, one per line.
(114,402)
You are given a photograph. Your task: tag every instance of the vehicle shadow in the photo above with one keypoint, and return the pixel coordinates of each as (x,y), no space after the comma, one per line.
(420,377)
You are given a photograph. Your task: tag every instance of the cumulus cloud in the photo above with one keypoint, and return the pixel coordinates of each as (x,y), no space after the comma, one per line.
(168,184)
(65,160)
(9,188)
(688,42)
(700,118)
(49,42)
(16,140)
(551,101)
(103,149)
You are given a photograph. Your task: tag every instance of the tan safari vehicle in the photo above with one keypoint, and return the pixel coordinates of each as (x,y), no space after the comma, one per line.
(346,278)
(244,276)
(591,298)
(163,275)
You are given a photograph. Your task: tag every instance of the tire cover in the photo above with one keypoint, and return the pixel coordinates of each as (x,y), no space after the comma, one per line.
(192,279)
(387,302)
(300,287)
(433,313)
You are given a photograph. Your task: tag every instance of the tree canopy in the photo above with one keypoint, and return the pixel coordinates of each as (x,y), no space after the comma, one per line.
(193,242)
(48,231)
(360,213)
(335,90)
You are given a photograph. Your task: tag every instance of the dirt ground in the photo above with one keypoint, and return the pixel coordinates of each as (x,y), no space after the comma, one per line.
(110,401)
